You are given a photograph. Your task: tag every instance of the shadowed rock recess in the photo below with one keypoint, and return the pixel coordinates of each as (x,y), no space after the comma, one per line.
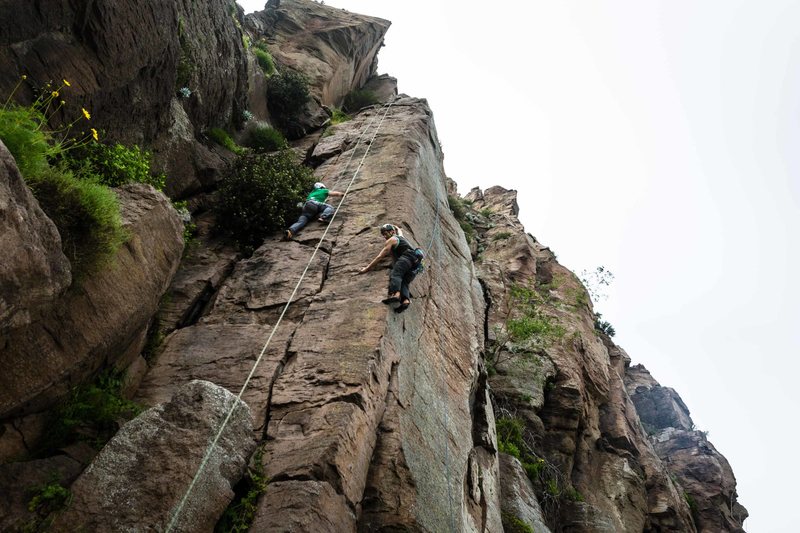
(492,404)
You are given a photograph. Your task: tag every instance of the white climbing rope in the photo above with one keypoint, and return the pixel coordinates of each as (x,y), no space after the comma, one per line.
(176,515)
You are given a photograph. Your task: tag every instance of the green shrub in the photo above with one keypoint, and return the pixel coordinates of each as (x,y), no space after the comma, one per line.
(259,195)
(44,503)
(338,116)
(457,207)
(503,235)
(114,165)
(287,95)
(221,137)
(359,99)
(20,131)
(85,212)
(603,326)
(87,217)
(240,513)
(266,139)
(265,61)
(91,414)
(512,524)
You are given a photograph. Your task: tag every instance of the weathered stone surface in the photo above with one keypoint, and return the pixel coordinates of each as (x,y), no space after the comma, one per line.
(582,424)
(335,49)
(128,79)
(384,87)
(34,270)
(518,498)
(21,482)
(706,476)
(331,397)
(323,510)
(139,478)
(658,407)
(223,354)
(96,323)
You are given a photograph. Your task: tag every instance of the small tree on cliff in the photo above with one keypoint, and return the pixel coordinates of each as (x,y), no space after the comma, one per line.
(525,330)
(287,95)
(259,195)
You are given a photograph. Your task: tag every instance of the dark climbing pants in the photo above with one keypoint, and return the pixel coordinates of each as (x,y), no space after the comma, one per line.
(401,277)
(311,210)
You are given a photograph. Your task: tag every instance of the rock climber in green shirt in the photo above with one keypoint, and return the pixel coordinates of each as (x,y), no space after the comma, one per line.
(315,207)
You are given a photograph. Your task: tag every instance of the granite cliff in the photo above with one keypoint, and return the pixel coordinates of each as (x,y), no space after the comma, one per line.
(493,404)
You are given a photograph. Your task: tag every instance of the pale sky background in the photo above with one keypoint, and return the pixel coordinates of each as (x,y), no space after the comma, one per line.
(660,139)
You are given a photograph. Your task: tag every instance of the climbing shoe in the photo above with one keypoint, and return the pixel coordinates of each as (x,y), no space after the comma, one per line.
(390,300)
(287,235)
(402,307)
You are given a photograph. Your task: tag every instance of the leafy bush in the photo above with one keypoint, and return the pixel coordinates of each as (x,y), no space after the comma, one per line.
(287,95)
(359,99)
(87,217)
(20,131)
(221,137)
(503,235)
(603,326)
(266,139)
(44,503)
(240,513)
(114,165)
(338,116)
(91,414)
(512,524)
(85,212)
(265,61)
(259,195)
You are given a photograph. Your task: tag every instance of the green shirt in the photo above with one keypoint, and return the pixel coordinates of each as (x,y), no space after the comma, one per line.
(318,194)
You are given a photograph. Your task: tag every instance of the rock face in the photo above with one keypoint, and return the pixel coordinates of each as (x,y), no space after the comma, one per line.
(704,474)
(337,50)
(137,482)
(353,395)
(97,323)
(595,468)
(34,270)
(491,404)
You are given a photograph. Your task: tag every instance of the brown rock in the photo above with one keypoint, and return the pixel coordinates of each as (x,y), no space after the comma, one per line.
(658,407)
(34,271)
(384,87)
(335,49)
(21,482)
(128,79)
(518,497)
(96,323)
(138,480)
(324,510)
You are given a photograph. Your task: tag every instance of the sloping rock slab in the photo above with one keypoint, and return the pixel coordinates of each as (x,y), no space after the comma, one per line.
(518,499)
(139,478)
(97,322)
(20,482)
(34,270)
(223,354)
(324,511)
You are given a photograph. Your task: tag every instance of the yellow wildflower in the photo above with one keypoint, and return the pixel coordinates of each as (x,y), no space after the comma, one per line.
(54,93)
(24,77)
(86,113)
(94,134)
(63,102)
(66,83)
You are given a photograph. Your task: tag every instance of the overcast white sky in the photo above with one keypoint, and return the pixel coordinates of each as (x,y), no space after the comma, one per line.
(660,139)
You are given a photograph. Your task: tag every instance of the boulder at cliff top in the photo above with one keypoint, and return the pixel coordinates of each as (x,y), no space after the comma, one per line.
(336,49)
(34,270)
(140,477)
(96,324)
